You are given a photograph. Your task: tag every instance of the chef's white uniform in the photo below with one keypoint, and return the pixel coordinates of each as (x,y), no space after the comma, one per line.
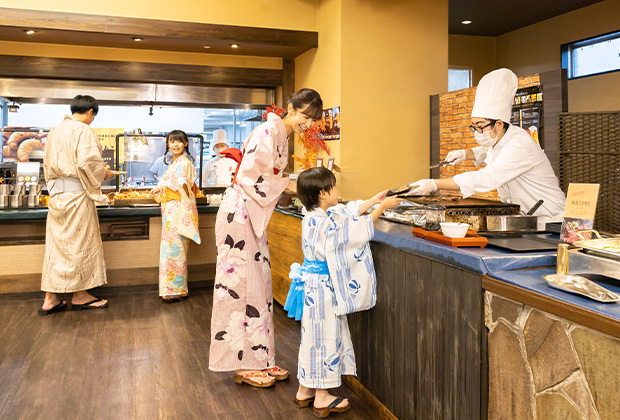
(218,171)
(522,174)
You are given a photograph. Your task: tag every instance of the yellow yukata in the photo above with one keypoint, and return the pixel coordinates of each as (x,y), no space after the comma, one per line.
(179,224)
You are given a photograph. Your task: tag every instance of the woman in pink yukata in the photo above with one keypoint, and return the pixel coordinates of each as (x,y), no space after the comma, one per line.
(242,330)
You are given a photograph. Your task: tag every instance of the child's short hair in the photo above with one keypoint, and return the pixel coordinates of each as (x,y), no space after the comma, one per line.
(310,184)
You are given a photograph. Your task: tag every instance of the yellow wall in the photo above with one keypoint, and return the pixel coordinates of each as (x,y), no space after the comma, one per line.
(476,52)
(320,67)
(290,14)
(536,48)
(394,56)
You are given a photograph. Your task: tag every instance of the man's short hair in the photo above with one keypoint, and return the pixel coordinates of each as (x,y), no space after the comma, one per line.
(310,184)
(82,103)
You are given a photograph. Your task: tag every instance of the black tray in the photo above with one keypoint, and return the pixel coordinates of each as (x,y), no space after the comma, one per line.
(522,244)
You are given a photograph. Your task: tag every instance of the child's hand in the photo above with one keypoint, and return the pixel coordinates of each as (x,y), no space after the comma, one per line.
(379,197)
(390,203)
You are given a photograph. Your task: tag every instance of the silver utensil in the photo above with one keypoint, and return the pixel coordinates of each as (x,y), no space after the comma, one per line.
(437,165)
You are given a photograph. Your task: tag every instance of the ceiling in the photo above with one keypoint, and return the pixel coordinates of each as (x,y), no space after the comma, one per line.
(497,17)
(489,18)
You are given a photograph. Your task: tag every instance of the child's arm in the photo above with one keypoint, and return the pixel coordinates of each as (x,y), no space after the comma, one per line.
(371,202)
(387,203)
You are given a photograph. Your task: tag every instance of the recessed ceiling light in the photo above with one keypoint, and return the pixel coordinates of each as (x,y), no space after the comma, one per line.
(466,22)
(206,47)
(234,45)
(30,31)
(137,38)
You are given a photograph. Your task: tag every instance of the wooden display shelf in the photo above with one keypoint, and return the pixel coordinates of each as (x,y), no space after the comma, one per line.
(471,238)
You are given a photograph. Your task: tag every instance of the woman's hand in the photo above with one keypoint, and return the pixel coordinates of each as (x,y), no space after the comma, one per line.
(155,191)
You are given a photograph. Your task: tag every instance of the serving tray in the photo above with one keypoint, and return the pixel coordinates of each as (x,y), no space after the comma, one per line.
(132,201)
(581,286)
(471,238)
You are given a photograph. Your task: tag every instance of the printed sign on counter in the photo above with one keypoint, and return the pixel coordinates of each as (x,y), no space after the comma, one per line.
(579,211)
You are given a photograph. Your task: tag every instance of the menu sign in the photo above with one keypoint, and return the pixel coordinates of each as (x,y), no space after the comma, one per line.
(107,138)
(579,211)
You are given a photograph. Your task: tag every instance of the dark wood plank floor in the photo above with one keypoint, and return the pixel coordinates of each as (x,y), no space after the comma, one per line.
(137,359)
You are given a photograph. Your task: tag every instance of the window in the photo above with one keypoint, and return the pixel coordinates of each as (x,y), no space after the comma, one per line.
(592,56)
(459,78)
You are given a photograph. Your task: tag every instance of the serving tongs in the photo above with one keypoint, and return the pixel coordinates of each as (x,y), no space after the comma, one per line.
(437,165)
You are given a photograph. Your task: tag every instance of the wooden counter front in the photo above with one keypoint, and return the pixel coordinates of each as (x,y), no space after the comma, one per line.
(284,236)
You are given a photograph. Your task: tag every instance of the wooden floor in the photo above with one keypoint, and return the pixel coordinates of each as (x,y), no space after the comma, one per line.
(137,359)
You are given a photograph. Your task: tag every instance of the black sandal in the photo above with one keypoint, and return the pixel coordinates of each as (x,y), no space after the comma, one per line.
(88,305)
(324,412)
(61,306)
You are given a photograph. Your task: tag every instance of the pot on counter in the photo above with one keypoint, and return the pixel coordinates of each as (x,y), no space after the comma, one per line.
(512,223)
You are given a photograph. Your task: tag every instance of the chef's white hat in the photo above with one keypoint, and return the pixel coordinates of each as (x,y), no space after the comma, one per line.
(495,94)
(219,137)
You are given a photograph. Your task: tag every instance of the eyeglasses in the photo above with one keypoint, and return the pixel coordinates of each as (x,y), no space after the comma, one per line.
(477,129)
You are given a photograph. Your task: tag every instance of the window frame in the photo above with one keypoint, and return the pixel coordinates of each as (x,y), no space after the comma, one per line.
(567,50)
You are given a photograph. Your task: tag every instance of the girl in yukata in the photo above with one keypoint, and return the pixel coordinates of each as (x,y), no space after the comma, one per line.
(242,330)
(336,278)
(179,216)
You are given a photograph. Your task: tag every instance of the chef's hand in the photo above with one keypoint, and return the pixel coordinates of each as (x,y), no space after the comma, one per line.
(422,187)
(456,156)
(108,174)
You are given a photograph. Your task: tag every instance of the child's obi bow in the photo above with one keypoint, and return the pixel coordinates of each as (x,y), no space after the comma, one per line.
(294,304)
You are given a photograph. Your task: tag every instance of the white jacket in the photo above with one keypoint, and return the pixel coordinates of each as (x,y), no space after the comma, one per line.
(218,171)
(520,171)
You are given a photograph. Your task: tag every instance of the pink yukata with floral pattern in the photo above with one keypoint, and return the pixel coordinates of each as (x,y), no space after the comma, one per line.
(179,225)
(242,335)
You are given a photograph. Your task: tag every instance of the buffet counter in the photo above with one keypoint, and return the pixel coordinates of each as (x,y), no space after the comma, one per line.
(473,333)
(131,243)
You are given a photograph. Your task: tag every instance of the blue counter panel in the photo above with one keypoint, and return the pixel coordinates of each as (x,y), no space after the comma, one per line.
(479,260)
(103,212)
(532,280)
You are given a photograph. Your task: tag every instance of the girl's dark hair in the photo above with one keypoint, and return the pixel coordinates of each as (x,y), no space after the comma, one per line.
(311,99)
(82,103)
(310,184)
(177,135)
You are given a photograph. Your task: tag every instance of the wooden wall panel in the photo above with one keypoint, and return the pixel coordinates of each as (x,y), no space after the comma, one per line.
(284,236)
(421,351)
(126,71)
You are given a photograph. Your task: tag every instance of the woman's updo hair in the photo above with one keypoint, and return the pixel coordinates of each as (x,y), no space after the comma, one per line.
(310,98)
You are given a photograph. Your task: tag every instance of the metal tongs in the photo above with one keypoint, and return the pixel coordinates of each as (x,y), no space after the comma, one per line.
(437,165)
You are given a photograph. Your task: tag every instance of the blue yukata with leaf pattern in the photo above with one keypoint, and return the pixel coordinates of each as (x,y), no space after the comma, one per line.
(340,237)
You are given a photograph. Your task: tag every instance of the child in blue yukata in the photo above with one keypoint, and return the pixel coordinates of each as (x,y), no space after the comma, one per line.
(336,278)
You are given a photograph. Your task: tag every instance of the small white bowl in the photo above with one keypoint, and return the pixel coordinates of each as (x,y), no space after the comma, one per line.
(454,230)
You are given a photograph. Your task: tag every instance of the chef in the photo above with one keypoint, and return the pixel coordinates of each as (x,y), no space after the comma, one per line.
(516,166)
(219,170)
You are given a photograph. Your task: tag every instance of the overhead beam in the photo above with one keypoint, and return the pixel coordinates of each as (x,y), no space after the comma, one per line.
(121,71)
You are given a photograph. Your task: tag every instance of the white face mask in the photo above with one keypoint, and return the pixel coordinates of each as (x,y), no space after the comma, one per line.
(485,139)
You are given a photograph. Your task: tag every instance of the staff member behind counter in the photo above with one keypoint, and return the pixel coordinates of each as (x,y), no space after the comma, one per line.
(515,165)
(220,169)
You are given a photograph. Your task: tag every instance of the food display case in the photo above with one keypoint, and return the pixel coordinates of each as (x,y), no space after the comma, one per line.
(136,152)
